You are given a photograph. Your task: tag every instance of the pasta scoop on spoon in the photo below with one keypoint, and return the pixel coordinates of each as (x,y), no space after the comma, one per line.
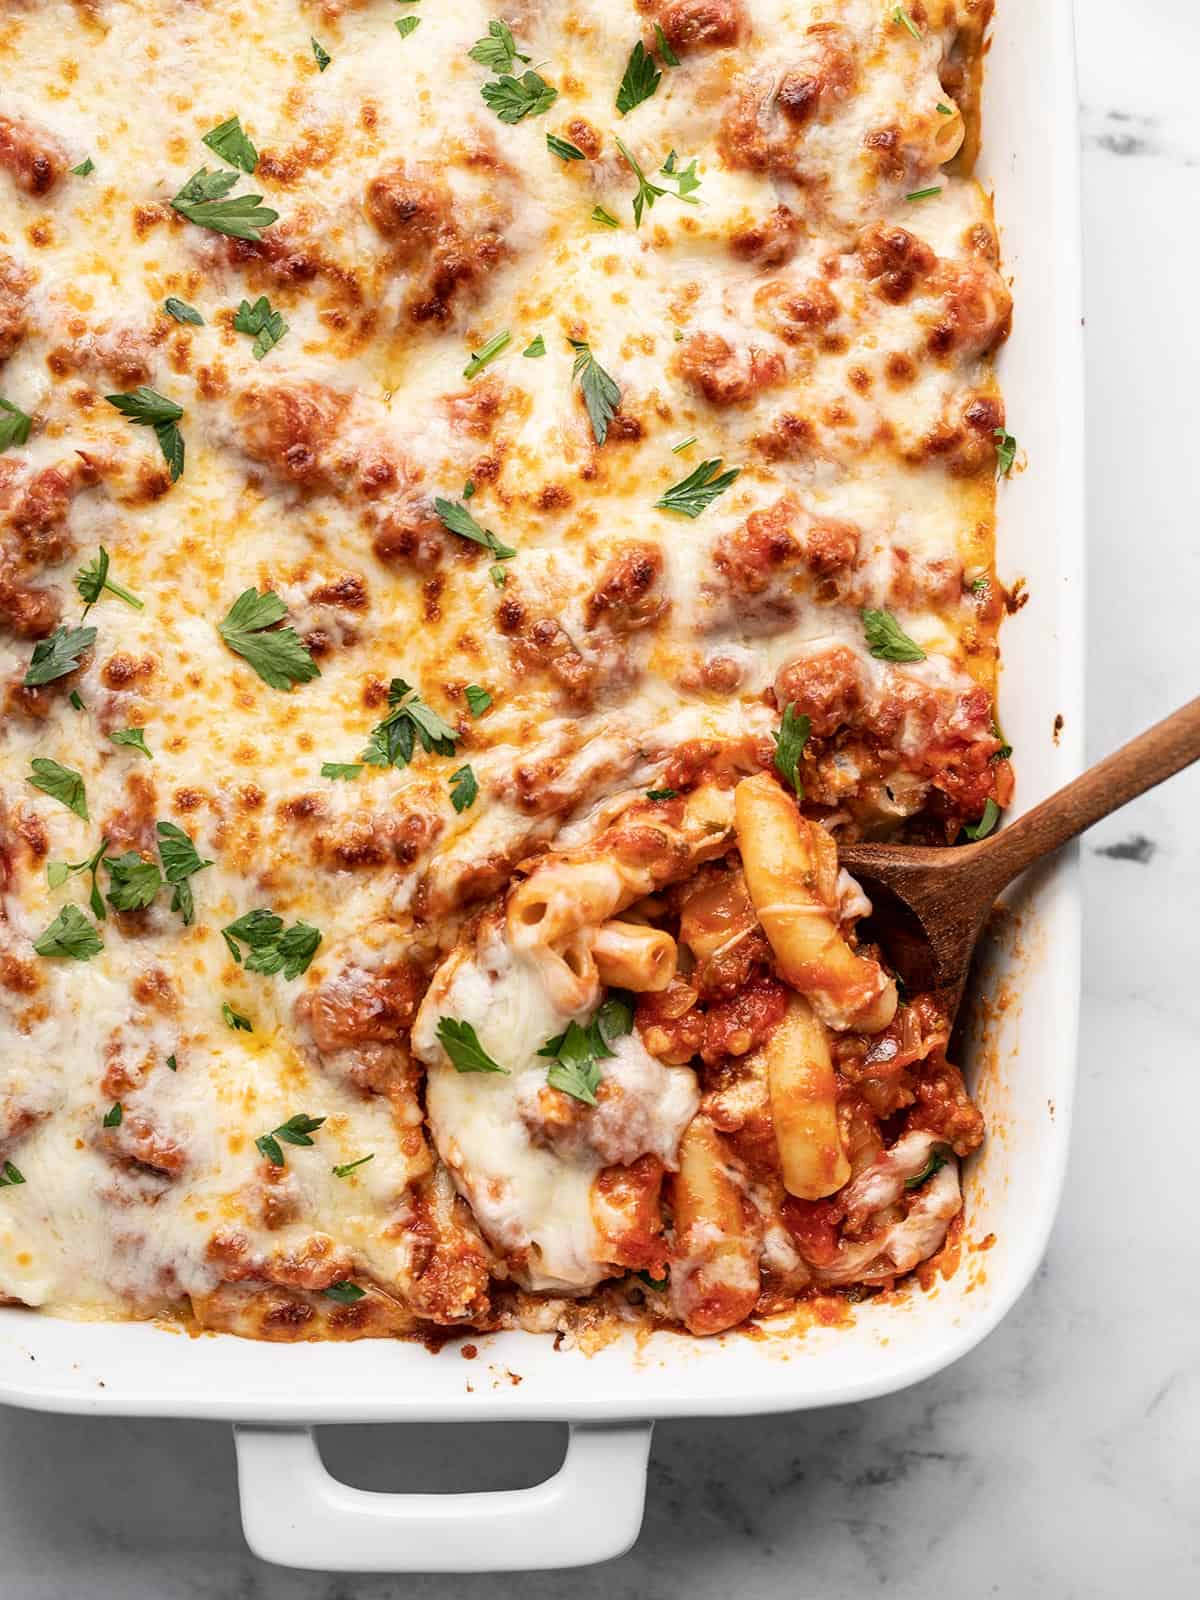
(930,904)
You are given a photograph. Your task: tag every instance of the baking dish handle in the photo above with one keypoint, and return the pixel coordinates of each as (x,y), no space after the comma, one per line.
(296,1514)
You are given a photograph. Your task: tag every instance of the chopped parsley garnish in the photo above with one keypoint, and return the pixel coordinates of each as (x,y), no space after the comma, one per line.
(85,168)
(986,824)
(10,1175)
(497,52)
(320,55)
(686,181)
(698,490)
(229,141)
(454,516)
(577,1053)
(182,312)
(647,192)
(478,700)
(480,359)
(600,215)
(944,110)
(261,320)
(14,425)
(133,883)
(407,25)
(70,935)
(652,1283)
(345,1292)
(601,393)
(512,99)
(410,722)
(925,194)
(662,794)
(180,861)
(641,78)
(789,746)
(57,873)
(60,783)
(935,1164)
(295,1131)
(74,699)
(536,347)
(172,1064)
(348,1167)
(240,1024)
(461,1043)
(93,580)
(206,201)
(134,739)
(1006,452)
(114,1114)
(564,149)
(498,576)
(56,656)
(150,409)
(464,789)
(278,655)
(901,16)
(270,948)
(684,444)
(341,769)
(887,640)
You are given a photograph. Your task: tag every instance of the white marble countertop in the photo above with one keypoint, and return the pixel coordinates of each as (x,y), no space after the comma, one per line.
(1062,1458)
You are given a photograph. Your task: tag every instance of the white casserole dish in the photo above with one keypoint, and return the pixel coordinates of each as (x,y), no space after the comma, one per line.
(1022,1064)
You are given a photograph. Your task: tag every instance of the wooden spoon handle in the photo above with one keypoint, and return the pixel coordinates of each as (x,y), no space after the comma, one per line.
(1159,753)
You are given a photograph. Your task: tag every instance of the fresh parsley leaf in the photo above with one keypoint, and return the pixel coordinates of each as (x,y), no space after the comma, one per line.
(461,1043)
(149,409)
(615,1017)
(341,769)
(668,55)
(698,490)
(515,98)
(206,201)
(1006,452)
(271,949)
(478,700)
(348,1167)
(114,1114)
(180,861)
(10,1175)
(600,215)
(653,1283)
(57,873)
(345,1292)
(454,515)
(320,55)
(647,192)
(496,52)
(409,722)
(85,168)
(641,78)
(75,701)
(576,1069)
(407,25)
(686,181)
(464,789)
(789,746)
(986,824)
(887,640)
(601,393)
(240,1024)
(935,1164)
(944,110)
(563,148)
(278,656)
(60,783)
(56,656)
(70,934)
(490,351)
(229,141)
(259,319)
(134,738)
(295,1131)
(498,576)
(901,16)
(14,425)
(172,1064)
(468,488)
(536,347)
(662,794)
(133,882)
(925,194)
(93,580)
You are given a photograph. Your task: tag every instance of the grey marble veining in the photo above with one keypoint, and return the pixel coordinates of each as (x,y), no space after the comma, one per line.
(1060,1459)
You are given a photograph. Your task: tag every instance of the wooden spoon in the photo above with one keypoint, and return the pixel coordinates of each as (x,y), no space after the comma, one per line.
(930,904)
